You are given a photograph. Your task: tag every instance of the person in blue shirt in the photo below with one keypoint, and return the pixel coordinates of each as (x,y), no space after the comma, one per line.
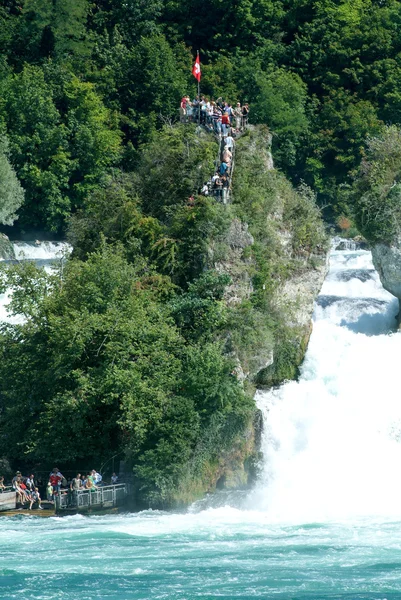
(223,168)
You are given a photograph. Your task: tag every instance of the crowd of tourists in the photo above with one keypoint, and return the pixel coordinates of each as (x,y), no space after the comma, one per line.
(218,115)
(227,122)
(27,490)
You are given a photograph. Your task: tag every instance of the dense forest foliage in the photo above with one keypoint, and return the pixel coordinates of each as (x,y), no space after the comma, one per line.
(85,84)
(131,346)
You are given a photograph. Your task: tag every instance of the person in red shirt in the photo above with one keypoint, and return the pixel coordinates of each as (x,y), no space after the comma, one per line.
(225,123)
(183,110)
(55,480)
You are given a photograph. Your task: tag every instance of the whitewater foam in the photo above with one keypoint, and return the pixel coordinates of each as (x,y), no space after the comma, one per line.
(332,440)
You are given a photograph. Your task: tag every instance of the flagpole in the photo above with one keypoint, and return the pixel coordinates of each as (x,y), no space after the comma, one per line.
(199,105)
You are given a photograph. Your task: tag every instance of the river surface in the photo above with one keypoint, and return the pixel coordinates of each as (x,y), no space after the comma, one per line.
(324,521)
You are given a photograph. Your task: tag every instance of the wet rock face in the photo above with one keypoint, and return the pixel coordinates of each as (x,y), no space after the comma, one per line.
(235,264)
(387,262)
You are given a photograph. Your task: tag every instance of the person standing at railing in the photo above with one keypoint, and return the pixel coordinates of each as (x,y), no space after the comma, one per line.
(97,478)
(245,116)
(49,492)
(183,110)
(225,123)
(217,119)
(90,485)
(238,116)
(75,487)
(2,486)
(56,479)
(114,479)
(210,114)
(76,483)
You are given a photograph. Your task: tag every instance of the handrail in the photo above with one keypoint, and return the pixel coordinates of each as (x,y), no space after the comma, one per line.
(110,495)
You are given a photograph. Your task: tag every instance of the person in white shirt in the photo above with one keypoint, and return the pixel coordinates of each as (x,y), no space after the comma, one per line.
(230,142)
(97,478)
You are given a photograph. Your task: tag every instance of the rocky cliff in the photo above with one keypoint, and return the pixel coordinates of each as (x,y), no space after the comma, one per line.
(387,262)
(276,255)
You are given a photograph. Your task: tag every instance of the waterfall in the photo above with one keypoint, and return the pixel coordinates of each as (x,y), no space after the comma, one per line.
(37,251)
(332,440)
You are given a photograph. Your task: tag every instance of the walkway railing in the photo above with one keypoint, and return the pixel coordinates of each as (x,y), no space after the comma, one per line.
(107,495)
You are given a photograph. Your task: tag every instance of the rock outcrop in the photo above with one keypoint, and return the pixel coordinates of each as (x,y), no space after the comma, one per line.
(235,263)
(387,262)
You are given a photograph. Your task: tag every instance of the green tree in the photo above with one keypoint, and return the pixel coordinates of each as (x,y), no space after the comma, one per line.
(55,29)
(38,147)
(11,192)
(376,191)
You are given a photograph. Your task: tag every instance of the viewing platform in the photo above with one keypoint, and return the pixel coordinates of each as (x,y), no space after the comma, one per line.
(106,498)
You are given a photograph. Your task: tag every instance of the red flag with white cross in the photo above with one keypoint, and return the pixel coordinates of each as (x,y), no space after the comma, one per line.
(196,69)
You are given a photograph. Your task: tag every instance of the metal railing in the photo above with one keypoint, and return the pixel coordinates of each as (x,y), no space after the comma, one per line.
(107,495)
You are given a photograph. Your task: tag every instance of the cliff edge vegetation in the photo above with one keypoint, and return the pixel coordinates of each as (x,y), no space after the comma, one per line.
(376,195)
(149,340)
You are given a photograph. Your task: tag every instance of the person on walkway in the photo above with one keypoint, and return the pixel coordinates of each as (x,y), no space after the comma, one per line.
(230,142)
(205,190)
(217,120)
(114,479)
(97,478)
(225,188)
(225,123)
(35,497)
(223,168)
(218,187)
(56,479)
(183,110)
(75,487)
(228,109)
(245,116)
(16,485)
(227,156)
(89,483)
(189,110)
(195,109)
(204,104)
(2,486)
(76,483)
(238,116)
(30,482)
(49,492)
(210,114)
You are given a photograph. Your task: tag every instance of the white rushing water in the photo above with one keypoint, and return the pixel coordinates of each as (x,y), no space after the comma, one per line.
(332,440)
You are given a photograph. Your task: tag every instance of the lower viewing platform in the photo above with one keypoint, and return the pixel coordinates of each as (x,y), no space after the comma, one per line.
(105,498)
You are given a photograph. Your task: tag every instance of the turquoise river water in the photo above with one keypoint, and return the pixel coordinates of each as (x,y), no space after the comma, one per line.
(323,522)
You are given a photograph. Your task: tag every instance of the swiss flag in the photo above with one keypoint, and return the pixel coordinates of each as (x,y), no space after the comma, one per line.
(196,69)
